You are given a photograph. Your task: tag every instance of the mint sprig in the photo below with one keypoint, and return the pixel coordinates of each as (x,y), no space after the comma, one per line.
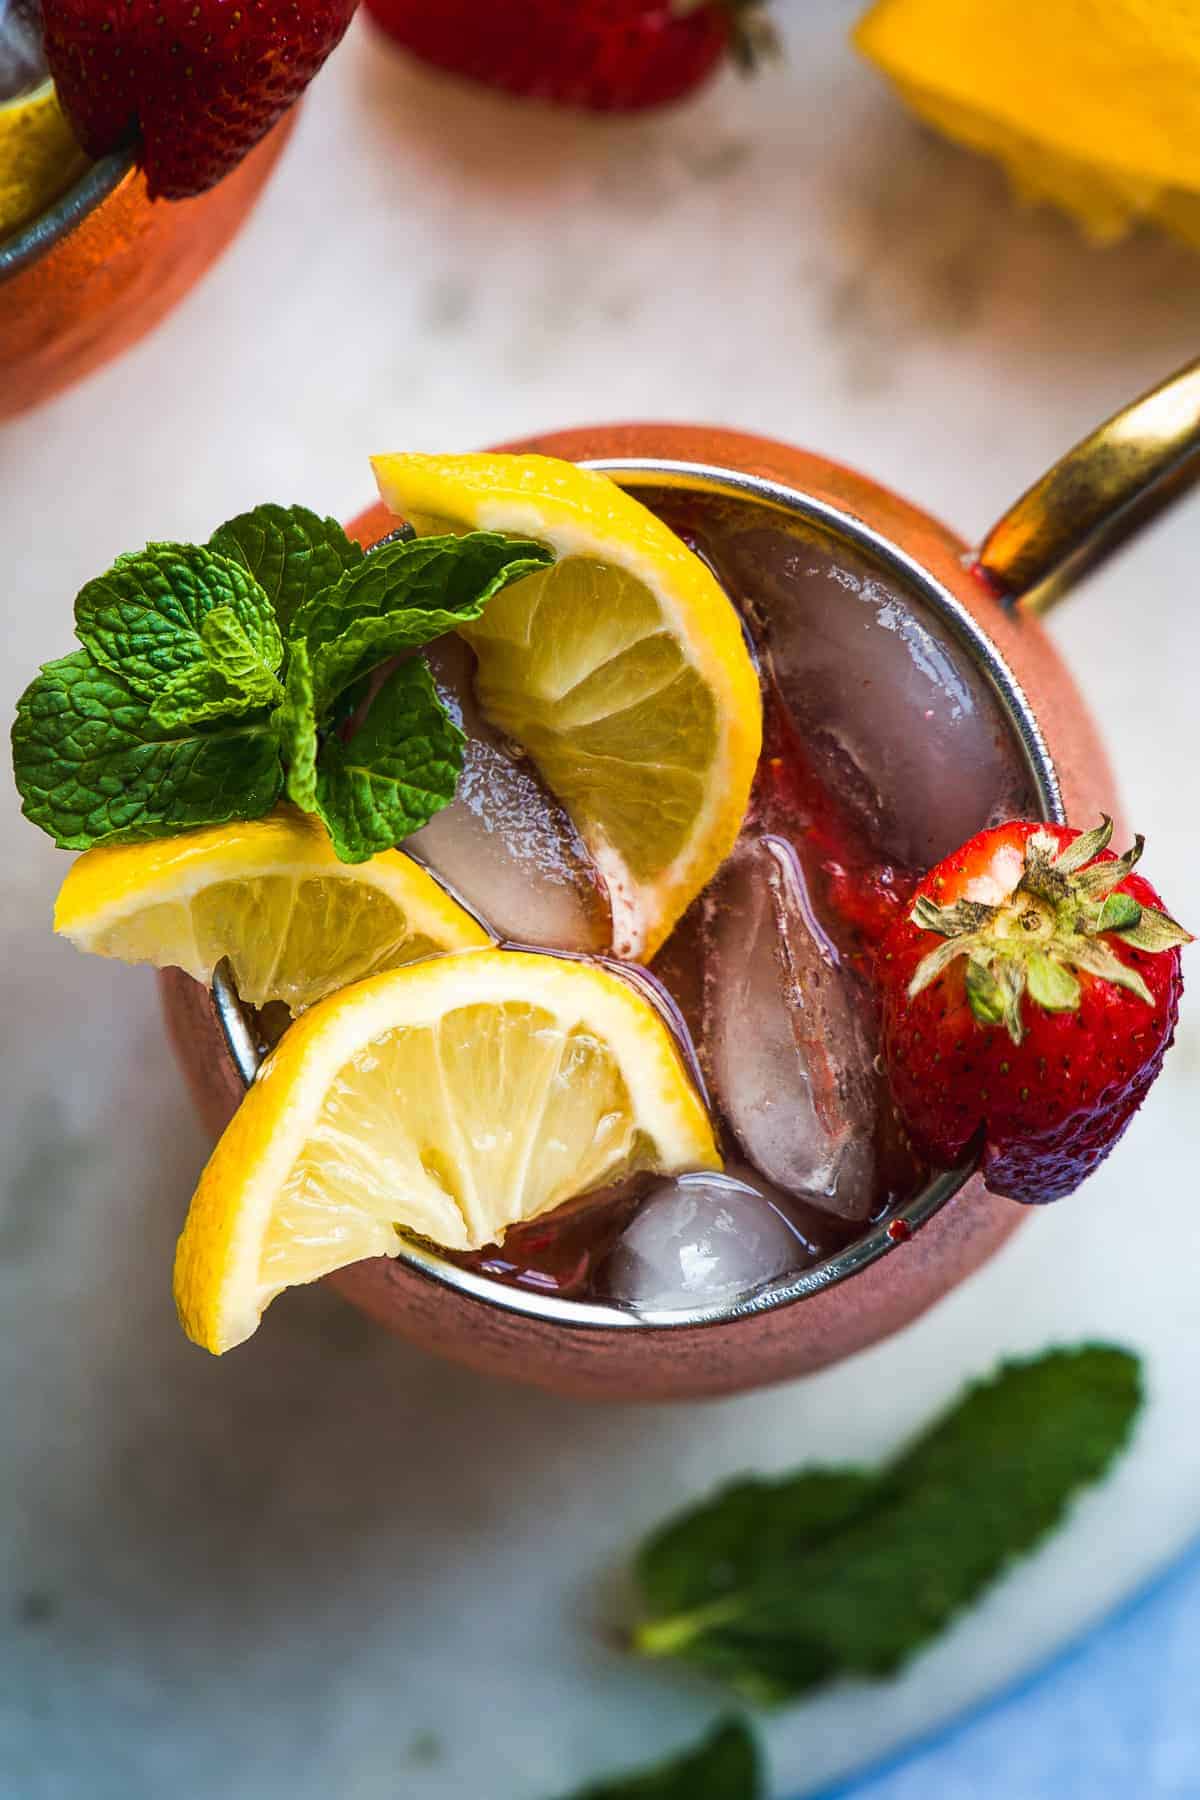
(726,1766)
(214,679)
(853,1573)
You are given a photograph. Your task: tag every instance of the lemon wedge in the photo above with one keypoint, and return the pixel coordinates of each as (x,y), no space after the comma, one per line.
(450,1099)
(621,670)
(39,157)
(1090,107)
(271,896)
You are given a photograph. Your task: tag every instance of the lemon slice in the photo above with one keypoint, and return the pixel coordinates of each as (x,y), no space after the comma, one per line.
(39,157)
(451,1098)
(622,671)
(270,895)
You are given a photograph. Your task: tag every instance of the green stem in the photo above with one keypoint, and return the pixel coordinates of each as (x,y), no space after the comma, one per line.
(667,1637)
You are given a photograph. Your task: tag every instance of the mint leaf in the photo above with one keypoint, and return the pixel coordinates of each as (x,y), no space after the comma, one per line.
(291,552)
(726,1766)
(980,1488)
(93,767)
(233,680)
(400,768)
(297,723)
(144,619)
(403,595)
(745,1529)
(231,652)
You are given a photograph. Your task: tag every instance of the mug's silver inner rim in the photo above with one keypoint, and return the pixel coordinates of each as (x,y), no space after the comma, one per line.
(785,1290)
(32,240)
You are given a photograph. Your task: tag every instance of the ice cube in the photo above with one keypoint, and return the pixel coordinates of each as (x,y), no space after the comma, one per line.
(22,63)
(700,1238)
(899,722)
(505,845)
(787,1038)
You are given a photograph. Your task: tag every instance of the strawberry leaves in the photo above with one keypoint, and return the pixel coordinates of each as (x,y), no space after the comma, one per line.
(1064,917)
(1052,985)
(1152,931)
(211,680)
(1029,996)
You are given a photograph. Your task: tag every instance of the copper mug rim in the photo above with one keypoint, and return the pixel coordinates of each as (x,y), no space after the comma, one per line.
(33,240)
(786,1290)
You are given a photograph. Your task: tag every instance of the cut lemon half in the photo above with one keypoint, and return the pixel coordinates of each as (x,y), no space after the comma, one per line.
(449,1099)
(271,896)
(622,670)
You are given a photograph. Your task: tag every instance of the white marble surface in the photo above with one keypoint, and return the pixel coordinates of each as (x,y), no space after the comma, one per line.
(327,1564)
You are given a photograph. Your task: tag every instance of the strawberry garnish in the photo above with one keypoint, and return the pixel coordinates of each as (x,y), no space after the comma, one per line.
(1030,995)
(603,55)
(194,83)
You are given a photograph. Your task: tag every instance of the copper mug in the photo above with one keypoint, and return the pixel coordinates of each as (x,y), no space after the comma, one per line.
(102,264)
(989,598)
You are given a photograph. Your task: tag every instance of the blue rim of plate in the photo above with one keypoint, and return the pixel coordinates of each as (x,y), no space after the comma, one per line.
(30,242)
(1012,1691)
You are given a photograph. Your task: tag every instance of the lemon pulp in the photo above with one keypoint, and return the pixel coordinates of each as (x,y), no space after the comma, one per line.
(271,896)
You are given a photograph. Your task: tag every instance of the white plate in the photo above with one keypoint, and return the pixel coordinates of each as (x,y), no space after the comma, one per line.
(327,1564)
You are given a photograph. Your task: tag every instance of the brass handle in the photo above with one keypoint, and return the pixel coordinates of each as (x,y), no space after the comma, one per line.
(1110,485)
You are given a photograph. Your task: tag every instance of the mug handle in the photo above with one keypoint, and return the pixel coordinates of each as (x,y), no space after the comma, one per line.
(1111,484)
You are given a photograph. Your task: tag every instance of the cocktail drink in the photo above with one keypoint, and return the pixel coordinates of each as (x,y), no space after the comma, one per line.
(630,885)
(904,709)
(91,258)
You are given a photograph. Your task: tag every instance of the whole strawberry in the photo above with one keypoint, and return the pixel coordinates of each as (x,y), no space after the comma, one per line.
(195,83)
(603,55)
(1029,997)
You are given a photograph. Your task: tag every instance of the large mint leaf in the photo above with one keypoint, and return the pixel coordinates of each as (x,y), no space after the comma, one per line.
(233,680)
(298,731)
(726,1766)
(979,1489)
(404,595)
(291,552)
(92,766)
(743,1530)
(144,619)
(400,768)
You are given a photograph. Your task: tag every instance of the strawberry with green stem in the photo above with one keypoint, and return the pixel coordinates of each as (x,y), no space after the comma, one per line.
(599,55)
(1030,995)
